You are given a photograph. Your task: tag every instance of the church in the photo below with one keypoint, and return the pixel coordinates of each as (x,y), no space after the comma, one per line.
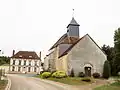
(72,52)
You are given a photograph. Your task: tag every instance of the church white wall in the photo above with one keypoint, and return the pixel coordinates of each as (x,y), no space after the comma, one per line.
(46,63)
(84,52)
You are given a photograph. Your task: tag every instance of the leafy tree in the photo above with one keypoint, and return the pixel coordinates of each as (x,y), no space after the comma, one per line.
(4,60)
(117,50)
(106,70)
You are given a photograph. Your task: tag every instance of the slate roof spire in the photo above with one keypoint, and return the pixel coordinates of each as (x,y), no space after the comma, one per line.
(73,23)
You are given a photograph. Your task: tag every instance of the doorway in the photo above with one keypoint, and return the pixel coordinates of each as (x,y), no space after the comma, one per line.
(88,71)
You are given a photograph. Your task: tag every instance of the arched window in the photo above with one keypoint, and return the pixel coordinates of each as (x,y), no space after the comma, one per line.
(29,63)
(19,69)
(24,62)
(19,62)
(35,63)
(13,68)
(13,62)
(35,69)
(28,69)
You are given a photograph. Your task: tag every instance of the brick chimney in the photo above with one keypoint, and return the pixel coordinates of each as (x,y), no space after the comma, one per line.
(13,53)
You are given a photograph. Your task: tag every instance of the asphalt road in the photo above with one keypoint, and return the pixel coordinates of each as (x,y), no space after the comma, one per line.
(21,82)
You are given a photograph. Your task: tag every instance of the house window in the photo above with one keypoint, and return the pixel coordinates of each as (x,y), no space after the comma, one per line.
(29,63)
(13,62)
(24,62)
(20,56)
(19,62)
(28,69)
(19,69)
(13,68)
(35,69)
(30,56)
(35,63)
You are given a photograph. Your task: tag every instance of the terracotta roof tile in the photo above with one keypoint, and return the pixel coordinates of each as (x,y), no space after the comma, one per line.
(65,40)
(66,52)
(58,42)
(26,55)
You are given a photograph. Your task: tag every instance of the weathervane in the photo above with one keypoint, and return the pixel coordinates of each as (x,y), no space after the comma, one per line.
(73,13)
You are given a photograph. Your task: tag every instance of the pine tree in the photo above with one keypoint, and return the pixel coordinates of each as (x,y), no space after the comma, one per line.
(106,70)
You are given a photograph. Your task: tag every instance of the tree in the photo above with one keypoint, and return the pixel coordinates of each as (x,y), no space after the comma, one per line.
(110,52)
(117,50)
(4,60)
(106,70)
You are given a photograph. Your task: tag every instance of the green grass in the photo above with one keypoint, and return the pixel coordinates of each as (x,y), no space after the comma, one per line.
(3,84)
(113,86)
(68,80)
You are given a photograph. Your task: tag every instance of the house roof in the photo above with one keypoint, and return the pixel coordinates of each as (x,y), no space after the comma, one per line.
(73,22)
(61,38)
(66,52)
(26,55)
(65,40)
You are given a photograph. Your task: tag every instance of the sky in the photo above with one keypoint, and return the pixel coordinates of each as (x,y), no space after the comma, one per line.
(35,25)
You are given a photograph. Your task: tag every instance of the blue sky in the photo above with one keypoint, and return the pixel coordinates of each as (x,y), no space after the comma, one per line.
(35,25)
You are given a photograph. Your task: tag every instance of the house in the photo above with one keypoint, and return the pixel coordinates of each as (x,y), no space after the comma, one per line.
(72,52)
(25,62)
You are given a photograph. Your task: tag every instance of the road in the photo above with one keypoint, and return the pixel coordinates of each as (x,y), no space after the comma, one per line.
(21,82)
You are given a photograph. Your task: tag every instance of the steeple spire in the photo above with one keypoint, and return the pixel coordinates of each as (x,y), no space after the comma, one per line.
(73,28)
(73,13)
(73,23)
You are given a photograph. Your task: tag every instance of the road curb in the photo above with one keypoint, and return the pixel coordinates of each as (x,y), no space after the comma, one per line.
(8,84)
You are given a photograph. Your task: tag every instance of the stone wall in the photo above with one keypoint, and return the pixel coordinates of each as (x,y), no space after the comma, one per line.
(86,51)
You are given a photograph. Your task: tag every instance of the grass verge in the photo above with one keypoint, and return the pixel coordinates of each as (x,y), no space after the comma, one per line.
(113,86)
(3,84)
(69,80)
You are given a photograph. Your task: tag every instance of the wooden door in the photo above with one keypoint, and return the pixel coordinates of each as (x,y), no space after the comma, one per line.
(88,71)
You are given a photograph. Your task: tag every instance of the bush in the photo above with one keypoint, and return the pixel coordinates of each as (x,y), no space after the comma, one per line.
(72,73)
(81,74)
(86,79)
(106,70)
(59,74)
(46,75)
(96,75)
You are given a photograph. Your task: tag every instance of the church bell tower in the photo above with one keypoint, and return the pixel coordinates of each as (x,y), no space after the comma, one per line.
(73,29)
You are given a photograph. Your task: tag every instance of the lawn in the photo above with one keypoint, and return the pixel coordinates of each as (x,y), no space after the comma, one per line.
(70,80)
(113,86)
(3,84)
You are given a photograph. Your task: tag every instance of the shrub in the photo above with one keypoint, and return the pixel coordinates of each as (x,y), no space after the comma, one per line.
(72,73)
(106,70)
(46,75)
(96,75)
(86,79)
(59,74)
(81,74)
